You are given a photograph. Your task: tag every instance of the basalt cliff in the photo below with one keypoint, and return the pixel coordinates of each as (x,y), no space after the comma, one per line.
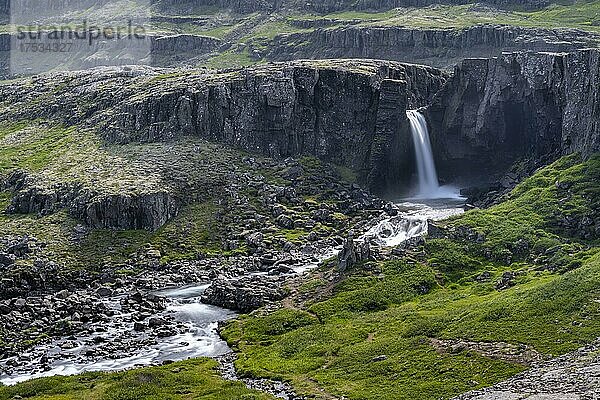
(484,117)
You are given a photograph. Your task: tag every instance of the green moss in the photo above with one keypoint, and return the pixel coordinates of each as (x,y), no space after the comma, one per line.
(31,147)
(197,379)
(231,59)
(193,232)
(312,286)
(582,14)
(346,174)
(532,216)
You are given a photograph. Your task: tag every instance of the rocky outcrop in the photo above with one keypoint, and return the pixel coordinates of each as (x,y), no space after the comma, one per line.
(181,49)
(158,50)
(245,294)
(436,47)
(329,6)
(573,376)
(184,44)
(4,55)
(238,6)
(349,113)
(4,11)
(495,111)
(98,210)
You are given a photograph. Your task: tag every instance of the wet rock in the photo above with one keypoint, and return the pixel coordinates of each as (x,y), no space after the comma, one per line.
(294,172)
(573,376)
(353,252)
(379,358)
(139,326)
(434,230)
(285,222)
(104,291)
(245,294)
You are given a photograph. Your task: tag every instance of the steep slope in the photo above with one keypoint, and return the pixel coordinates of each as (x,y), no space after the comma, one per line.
(439,47)
(199,378)
(231,33)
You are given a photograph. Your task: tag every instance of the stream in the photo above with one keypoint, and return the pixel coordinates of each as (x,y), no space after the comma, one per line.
(117,345)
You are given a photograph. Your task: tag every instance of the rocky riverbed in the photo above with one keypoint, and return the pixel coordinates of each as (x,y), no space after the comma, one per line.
(138,322)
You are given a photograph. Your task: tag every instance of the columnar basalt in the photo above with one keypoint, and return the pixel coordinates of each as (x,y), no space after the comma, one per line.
(537,105)
(344,112)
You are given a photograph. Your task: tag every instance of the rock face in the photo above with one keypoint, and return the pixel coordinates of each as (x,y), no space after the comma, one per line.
(166,50)
(573,376)
(490,113)
(4,55)
(98,210)
(350,113)
(163,51)
(238,6)
(328,6)
(494,111)
(436,47)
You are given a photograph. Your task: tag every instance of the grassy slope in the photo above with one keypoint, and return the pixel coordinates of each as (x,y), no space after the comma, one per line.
(582,14)
(59,154)
(329,344)
(259,29)
(195,379)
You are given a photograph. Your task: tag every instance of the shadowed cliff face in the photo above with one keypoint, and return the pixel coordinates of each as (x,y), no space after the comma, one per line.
(349,114)
(489,114)
(328,6)
(495,111)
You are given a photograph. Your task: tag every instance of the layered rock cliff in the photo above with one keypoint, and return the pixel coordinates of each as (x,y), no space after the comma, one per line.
(344,112)
(347,113)
(487,115)
(100,210)
(495,111)
(4,55)
(329,6)
(436,47)
(238,6)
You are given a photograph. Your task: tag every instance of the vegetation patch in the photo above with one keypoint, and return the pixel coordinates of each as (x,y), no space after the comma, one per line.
(193,379)
(371,337)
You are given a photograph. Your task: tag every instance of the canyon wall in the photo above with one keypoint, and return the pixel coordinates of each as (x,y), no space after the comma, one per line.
(346,112)
(4,56)
(328,6)
(436,47)
(485,116)
(238,6)
(496,111)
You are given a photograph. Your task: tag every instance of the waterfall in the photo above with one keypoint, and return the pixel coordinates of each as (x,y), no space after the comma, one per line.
(429,186)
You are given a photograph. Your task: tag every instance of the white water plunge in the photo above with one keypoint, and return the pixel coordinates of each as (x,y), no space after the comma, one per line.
(429,186)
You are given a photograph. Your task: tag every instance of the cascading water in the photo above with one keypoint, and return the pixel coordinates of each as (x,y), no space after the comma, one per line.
(429,186)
